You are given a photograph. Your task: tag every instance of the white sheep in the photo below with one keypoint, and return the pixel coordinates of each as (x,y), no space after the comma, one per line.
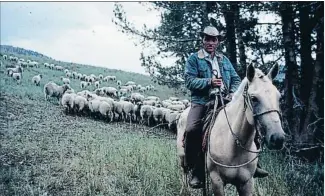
(172,119)
(67,101)
(32,64)
(128,110)
(80,103)
(17,77)
(66,71)
(137,97)
(58,67)
(5,57)
(68,75)
(177,107)
(128,88)
(177,103)
(17,69)
(84,93)
(186,102)
(110,91)
(149,102)
(146,112)
(119,82)
(37,79)
(65,80)
(166,103)
(113,78)
(79,75)
(129,83)
(100,76)
(94,106)
(106,110)
(84,84)
(123,92)
(174,98)
(158,114)
(165,112)
(46,65)
(74,75)
(142,89)
(53,90)
(153,98)
(118,109)
(97,84)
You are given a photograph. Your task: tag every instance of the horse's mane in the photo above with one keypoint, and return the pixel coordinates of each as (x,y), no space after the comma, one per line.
(240,90)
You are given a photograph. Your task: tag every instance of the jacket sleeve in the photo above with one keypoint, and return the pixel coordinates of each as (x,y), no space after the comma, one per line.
(191,74)
(234,78)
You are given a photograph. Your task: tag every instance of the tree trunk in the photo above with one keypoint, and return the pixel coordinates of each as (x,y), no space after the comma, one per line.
(291,75)
(307,63)
(316,98)
(241,68)
(230,33)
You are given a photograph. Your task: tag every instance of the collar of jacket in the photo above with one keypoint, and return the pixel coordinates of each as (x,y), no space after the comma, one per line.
(201,55)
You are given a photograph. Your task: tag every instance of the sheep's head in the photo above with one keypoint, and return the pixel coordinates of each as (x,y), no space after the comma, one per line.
(88,83)
(61,77)
(41,76)
(97,91)
(66,87)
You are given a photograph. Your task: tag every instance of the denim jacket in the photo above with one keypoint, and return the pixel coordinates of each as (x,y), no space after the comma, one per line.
(198,74)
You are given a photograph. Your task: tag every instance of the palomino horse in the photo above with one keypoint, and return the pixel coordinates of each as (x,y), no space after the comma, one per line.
(231,152)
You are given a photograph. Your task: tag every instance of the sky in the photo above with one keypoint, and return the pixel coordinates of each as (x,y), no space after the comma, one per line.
(79,32)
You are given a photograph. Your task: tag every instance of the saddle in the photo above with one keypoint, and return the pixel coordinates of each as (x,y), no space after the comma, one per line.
(209,119)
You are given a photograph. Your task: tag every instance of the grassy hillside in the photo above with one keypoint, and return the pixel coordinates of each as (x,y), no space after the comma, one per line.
(53,75)
(45,152)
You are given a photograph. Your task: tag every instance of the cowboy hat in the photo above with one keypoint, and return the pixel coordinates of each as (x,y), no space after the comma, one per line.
(210,31)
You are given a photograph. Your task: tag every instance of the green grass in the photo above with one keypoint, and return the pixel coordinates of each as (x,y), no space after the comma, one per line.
(45,152)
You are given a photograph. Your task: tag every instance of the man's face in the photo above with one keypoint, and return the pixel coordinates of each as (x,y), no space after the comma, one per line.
(210,43)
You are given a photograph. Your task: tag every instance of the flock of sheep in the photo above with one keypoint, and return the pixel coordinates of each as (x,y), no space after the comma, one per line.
(124,103)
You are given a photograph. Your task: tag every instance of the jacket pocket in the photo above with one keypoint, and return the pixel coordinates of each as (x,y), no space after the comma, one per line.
(203,72)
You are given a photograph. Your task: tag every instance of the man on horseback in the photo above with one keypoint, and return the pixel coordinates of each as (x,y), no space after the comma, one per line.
(207,72)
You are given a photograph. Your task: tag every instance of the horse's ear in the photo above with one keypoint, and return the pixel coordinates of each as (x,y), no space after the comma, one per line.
(274,71)
(250,72)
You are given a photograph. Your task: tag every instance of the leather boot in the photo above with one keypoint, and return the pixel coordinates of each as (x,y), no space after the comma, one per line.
(259,172)
(197,178)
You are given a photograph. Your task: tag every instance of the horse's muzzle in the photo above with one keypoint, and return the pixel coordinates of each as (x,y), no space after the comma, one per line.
(276,141)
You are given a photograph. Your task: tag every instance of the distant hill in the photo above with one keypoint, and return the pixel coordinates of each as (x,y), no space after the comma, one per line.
(21,51)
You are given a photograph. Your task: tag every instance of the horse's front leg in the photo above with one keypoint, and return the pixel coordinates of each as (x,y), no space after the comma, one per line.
(217,184)
(246,189)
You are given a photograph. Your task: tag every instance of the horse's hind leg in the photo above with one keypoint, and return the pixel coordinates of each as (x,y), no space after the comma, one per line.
(246,189)
(217,184)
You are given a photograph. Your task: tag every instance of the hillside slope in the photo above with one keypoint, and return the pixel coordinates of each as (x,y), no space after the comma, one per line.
(52,75)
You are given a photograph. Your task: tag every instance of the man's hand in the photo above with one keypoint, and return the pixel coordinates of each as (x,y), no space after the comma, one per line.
(229,96)
(216,82)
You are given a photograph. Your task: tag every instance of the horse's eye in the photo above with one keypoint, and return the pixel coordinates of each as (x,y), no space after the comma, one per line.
(254,99)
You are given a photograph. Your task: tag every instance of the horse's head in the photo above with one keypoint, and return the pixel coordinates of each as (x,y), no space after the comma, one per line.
(263,105)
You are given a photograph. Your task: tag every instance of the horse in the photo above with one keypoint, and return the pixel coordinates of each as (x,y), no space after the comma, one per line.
(231,152)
